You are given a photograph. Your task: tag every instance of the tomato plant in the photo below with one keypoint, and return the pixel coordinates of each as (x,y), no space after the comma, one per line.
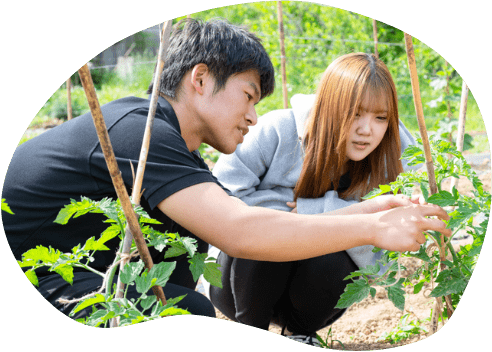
(447,271)
(105,305)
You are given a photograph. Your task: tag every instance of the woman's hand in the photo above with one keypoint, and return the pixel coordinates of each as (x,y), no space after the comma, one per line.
(388,202)
(292,205)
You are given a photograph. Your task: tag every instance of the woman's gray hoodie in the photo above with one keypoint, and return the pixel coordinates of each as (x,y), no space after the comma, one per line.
(265,168)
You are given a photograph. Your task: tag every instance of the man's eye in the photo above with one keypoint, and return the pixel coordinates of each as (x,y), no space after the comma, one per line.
(249,96)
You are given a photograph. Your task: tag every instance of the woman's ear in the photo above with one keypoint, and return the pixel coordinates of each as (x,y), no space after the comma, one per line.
(200,75)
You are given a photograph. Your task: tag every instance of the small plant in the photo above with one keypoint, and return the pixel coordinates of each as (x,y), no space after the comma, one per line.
(5,207)
(446,271)
(329,341)
(129,311)
(404,330)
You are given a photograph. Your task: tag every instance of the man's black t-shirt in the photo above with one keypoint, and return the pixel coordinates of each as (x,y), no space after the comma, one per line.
(67,162)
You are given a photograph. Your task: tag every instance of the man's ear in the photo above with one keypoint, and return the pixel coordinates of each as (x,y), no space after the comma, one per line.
(200,76)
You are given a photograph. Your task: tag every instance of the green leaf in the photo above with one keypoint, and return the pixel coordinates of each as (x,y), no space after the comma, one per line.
(43,254)
(148,302)
(354,293)
(92,245)
(66,272)
(443,199)
(142,284)
(161,272)
(212,274)
(190,245)
(33,278)
(448,287)
(396,295)
(5,207)
(197,265)
(174,250)
(131,271)
(98,298)
(173,311)
(371,269)
(74,209)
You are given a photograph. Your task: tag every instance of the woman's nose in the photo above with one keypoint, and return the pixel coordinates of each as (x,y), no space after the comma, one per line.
(364,125)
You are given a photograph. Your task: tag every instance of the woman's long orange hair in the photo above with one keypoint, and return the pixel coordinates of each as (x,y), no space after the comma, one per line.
(344,85)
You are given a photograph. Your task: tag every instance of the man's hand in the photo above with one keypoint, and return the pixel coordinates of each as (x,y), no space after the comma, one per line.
(402,228)
(388,202)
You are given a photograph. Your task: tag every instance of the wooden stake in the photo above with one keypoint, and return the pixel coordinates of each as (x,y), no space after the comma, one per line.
(420,113)
(375,34)
(427,152)
(102,133)
(282,53)
(69,99)
(461,126)
(137,186)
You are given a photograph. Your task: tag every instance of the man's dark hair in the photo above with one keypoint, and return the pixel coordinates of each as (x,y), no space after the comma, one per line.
(225,48)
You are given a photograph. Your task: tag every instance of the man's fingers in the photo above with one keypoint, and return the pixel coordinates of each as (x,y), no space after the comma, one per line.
(434,210)
(437,225)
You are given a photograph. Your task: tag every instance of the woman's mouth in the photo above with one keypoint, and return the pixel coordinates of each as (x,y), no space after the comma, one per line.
(360,145)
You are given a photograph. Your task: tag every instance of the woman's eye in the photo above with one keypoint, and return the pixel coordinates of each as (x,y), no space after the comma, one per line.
(382,118)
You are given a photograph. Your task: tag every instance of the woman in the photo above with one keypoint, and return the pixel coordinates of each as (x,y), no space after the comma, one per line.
(321,162)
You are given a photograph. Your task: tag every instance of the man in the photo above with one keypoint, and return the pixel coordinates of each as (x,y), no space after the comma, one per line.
(214,76)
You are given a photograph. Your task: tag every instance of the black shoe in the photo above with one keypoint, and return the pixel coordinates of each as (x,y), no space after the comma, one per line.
(308,340)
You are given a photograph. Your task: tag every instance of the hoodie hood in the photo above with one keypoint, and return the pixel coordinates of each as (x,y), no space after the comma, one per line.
(301,106)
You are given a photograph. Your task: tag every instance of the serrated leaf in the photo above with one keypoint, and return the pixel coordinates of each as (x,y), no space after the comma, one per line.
(190,245)
(43,254)
(5,207)
(98,298)
(142,284)
(443,199)
(131,271)
(212,274)
(173,311)
(74,209)
(174,251)
(92,245)
(371,269)
(397,296)
(354,293)
(33,278)
(66,272)
(148,302)
(161,273)
(197,265)
(450,286)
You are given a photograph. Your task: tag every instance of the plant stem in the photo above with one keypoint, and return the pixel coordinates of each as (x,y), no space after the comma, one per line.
(282,53)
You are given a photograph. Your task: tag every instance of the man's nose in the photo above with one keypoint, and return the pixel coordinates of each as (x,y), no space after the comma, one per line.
(251,117)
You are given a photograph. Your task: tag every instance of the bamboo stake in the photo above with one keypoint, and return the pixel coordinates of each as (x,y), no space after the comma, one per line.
(69,99)
(102,133)
(420,113)
(427,152)
(282,53)
(375,34)
(137,186)
(461,126)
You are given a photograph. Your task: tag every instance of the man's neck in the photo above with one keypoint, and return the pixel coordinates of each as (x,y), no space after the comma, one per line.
(187,122)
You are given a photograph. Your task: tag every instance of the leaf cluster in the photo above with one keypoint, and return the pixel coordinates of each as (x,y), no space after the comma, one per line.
(470,214)
(106,306)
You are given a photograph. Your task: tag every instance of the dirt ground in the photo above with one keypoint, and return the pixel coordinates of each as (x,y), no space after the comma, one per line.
(363,323)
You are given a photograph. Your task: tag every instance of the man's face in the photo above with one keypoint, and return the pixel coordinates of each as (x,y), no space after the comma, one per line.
(229,112)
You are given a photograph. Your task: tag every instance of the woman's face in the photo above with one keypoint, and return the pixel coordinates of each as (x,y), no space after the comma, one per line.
(367,130)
